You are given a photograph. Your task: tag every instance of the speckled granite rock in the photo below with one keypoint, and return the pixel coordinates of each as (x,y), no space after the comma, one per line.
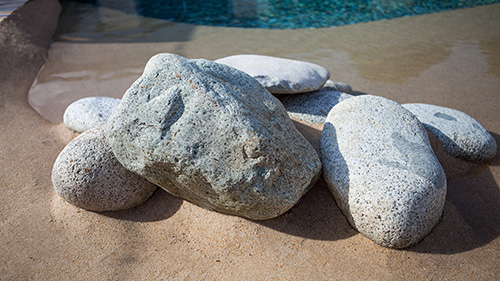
(87,175)
(312,107)
(338,86)
(88,113)
(213,135)
(461,135)
(380,168)
(278,75)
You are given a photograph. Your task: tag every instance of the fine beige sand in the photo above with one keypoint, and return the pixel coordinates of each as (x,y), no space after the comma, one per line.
(450,59)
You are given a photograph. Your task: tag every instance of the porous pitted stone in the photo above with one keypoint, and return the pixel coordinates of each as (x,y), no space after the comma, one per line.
(87,175)
(380,168)
(88,113)
(461,135)
(312,107)
(278,75)
(338,86)
(213,135)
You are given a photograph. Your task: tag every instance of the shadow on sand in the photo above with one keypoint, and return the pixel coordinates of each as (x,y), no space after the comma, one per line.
(471,216)
(160,206)
(316,217)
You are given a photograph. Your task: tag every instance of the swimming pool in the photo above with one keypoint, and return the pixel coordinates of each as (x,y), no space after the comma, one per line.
(282,14)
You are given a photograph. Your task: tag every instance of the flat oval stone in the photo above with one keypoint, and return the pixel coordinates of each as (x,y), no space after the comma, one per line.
(88,113)
(381,170)
(278,75)
(312,107)
(87,175)
(461,135)
(211,134)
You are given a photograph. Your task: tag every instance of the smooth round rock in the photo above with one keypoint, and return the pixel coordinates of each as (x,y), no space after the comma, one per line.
(312,107)
(461,135)
(88,113)
(87,175)
(278,75)
(381,170)
(211,134)
(338,86)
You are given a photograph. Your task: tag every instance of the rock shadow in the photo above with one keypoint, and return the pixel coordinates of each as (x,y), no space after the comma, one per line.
(358,93)
(160,206)
(471,215)
(316,216)
(312,134)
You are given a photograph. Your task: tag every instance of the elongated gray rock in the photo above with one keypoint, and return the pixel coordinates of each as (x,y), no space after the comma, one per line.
(278,75)
(461,135)
(312,107)
(88,113)
(213,135)
(87,175)
(381,169)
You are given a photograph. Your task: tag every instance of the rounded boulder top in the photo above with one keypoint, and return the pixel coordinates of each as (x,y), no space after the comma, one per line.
(279,75)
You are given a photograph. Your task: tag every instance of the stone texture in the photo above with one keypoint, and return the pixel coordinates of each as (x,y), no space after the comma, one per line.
(278,75)
(213,135)
(461,135)
(380,168)
(338,86)
(88,113)
(87,175)
(312,107)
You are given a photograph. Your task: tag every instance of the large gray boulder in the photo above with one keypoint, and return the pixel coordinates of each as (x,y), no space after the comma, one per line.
(87,175)
(460,135)
(279,75)
(213,135)
(381,169)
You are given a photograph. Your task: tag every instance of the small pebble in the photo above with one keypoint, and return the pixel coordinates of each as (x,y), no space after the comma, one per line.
(338,86)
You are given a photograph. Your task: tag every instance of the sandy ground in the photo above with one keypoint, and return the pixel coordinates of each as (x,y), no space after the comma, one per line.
(450,59)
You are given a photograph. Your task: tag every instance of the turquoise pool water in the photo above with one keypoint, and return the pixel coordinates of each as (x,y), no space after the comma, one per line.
(283,14)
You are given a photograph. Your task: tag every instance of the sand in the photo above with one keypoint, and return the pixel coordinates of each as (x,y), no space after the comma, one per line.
(450,59)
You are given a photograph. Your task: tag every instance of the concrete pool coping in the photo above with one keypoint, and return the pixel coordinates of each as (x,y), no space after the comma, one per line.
(454,64)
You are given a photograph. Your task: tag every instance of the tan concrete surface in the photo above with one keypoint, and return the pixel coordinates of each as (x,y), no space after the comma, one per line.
(451,59)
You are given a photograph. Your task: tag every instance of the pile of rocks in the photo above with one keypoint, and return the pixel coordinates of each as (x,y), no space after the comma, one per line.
(212,133)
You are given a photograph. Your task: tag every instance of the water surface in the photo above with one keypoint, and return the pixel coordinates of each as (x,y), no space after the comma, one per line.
(282,14)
